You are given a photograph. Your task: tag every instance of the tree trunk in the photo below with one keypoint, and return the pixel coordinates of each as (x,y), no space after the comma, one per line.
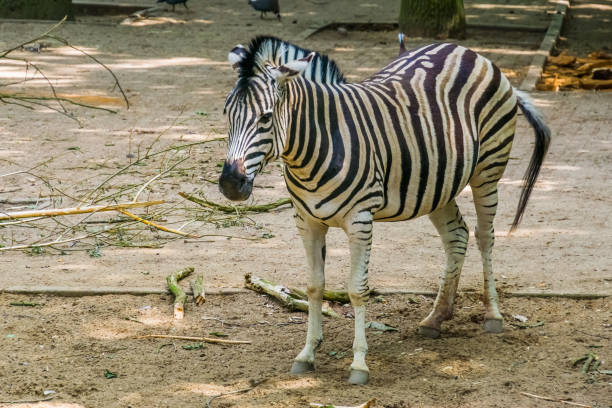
(432,18)
(36,9)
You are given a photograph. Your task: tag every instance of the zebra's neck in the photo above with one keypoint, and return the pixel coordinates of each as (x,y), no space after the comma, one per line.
(313,131)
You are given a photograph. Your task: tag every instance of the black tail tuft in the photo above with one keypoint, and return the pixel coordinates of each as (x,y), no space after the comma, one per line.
(542,134)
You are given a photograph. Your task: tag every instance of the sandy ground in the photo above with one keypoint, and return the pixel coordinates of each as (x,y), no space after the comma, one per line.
(59,346)
(175,73)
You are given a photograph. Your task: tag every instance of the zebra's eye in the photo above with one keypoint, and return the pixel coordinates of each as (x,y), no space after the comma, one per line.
(265,118)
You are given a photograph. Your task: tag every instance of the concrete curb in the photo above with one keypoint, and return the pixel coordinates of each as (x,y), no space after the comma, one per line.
(550,39)
(110,290)
(314,29)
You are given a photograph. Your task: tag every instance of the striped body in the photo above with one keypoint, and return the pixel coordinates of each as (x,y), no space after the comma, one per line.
(404,142)
(401,144)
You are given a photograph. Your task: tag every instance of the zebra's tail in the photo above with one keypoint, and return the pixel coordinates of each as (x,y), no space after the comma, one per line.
(542,141)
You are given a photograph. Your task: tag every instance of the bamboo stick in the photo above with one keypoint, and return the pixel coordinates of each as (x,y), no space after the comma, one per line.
(179,294)
(152,224)
(239,208)
(75,210)
(204,339)
(282,294)
(197,288)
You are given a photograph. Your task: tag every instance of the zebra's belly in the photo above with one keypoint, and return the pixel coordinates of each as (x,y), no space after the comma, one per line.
(417,193)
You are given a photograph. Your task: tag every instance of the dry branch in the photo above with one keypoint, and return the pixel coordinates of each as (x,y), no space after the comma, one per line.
(369,404)
(34,401)
(29,101)
(190,338)
(44,244)
(75,210)
(254,384)
(238,208)
(555,400)
(179,294)
(282,294)
(197,287)
(152,224)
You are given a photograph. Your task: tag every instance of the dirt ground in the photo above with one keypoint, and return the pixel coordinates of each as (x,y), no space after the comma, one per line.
(176,76)
(66,345)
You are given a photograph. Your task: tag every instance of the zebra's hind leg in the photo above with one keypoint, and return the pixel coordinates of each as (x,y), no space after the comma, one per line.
(454,234)
(485,201)
(313,238)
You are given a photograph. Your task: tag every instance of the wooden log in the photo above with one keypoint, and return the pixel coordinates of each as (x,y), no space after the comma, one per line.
(179,294)
(562,60)
(588,83)
(337,296)
(281,293)
(197,287)
(75,210)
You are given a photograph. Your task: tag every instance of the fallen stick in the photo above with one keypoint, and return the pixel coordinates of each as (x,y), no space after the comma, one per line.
(282,294)
(255,384)
(154,225)
(587,363)
(204,339)
(369,404)
(75,210)
(331,295)
(179,294)
(34,401)
(44,244)
(239,208)
(197,288)
(555,400)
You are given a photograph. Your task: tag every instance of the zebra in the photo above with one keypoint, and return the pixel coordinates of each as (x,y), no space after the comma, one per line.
(401,144)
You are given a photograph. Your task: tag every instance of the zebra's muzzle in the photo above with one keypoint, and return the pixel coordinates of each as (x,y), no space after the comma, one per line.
(233,182)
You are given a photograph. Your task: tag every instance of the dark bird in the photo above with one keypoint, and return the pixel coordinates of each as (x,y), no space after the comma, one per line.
(402,44)
(266,5)
(174,3)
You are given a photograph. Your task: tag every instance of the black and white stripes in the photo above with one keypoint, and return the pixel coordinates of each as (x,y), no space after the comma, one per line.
(401,144)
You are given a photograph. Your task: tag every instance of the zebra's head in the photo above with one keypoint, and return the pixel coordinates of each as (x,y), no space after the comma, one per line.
(257,116)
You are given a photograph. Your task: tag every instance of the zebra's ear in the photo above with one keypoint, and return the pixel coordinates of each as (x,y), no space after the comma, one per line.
(292,69)
(237,54)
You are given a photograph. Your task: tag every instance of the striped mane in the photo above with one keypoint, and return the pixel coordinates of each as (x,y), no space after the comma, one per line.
(268,49)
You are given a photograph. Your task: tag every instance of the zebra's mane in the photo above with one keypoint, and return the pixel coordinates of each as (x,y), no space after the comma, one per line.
(268,49)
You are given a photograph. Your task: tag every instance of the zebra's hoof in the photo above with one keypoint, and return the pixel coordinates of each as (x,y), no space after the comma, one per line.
(359,377)
(301,367)
(428,332)
(494,325)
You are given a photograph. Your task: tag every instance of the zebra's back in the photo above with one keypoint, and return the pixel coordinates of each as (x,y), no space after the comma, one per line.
(449,109)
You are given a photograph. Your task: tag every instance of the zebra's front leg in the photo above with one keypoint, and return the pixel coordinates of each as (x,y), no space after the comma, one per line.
(313,238)
(359,231)
(454,234)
